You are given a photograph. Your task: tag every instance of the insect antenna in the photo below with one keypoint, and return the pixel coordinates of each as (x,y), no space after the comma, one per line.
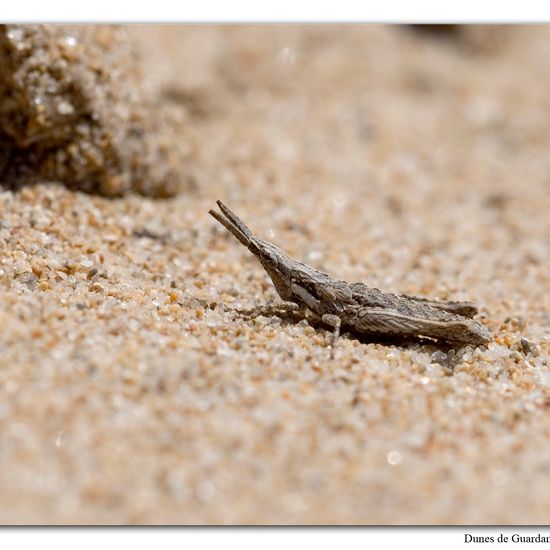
(234,219)
(233,224)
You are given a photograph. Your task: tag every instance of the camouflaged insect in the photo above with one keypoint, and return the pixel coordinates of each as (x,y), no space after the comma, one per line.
(355,306)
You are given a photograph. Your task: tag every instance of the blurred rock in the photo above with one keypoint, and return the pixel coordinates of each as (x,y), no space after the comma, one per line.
(474,38)
(72,110)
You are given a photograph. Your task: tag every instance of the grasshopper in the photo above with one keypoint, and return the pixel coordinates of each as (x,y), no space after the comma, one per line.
(355,306)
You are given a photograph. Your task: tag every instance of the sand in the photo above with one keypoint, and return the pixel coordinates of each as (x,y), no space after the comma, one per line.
(132,393)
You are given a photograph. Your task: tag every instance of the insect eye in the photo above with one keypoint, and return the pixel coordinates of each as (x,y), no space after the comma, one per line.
(269,257)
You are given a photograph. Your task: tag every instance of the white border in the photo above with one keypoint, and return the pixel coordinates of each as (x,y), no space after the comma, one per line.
(265,538)
(403,11)
(280,11)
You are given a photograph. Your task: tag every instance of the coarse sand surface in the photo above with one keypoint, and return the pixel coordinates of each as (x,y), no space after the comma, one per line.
(132,392)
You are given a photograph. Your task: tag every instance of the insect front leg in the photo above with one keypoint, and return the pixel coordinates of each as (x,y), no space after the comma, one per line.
(271,309)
